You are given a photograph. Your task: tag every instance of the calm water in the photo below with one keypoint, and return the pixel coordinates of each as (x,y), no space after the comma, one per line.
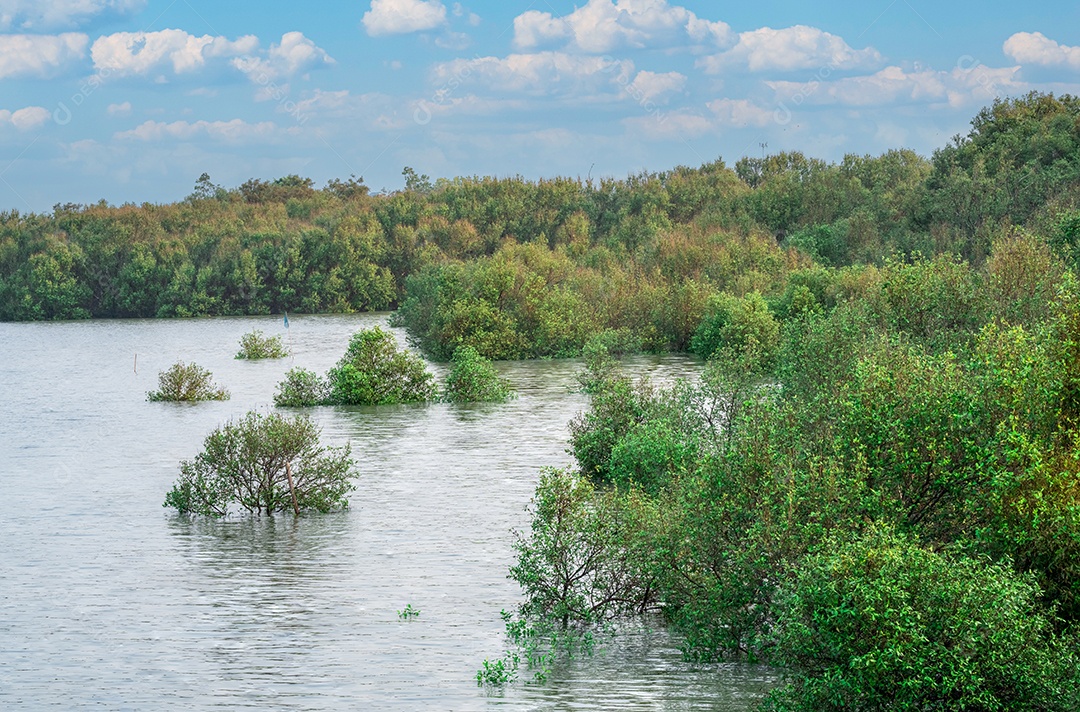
(108,600)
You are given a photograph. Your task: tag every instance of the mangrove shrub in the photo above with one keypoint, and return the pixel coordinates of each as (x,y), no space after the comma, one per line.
(254,345)
(264,463)
(374,371)
(300,388)
(473,379)
(187,382)
(883,622)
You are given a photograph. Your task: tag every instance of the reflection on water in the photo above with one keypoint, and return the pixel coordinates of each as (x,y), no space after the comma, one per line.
(107,599)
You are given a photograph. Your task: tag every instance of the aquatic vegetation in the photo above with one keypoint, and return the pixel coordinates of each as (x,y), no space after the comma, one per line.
(254,345)
(187,382)
(301,388)
(408,612)
(374,371)
(264,464)
(473,379)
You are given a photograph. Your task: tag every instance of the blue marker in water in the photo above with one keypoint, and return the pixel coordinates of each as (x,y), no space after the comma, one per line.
(286,320)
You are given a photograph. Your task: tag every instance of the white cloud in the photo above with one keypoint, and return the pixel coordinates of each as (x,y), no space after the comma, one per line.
(606,25)
(233,132)
(40,55)
(543,73)
(891,85)
(25,119)
(175,52)
(1037,48)
(740,112)
(294,54)
(119,109)
(798,47)
(143,53)
(394,17)
(48,14)
(651,86)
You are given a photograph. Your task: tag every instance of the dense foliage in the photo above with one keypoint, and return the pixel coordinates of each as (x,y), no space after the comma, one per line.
(187,382)
(263,464)
(254,345)
(880,493)
(882,621)
(473,379)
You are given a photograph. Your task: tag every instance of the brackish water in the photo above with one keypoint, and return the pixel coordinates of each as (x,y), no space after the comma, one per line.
(107,600)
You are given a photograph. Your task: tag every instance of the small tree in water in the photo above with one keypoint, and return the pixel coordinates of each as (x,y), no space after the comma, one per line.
(473,379)
(374,372)
(254,345)
(301,388)
(187,382)
(264,464)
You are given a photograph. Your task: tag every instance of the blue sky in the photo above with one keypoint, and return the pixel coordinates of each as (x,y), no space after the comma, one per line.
(131,100)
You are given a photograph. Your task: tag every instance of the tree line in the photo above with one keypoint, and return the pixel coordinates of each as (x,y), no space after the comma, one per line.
(518,268)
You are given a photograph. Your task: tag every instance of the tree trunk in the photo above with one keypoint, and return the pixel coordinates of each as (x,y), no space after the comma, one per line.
(292,491)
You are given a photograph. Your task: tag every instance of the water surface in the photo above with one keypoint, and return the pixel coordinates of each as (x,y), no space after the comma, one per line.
(109,600)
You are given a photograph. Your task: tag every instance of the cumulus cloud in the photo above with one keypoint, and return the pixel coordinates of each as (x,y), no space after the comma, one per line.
(233,132)
(49,14)
(791,48)
(25,119)
(142,53)
(40,55)
(119,109)
(293,55)
(1037,48)
(606,25)
(652,86)
(542,73)
(176,52)
(891,85)
(395,17)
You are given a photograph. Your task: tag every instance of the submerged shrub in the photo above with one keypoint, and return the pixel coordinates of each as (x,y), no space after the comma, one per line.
(253,345)
(301,388)
(374,372)
(473,379)
(187,382)
(600,367)
(263,463)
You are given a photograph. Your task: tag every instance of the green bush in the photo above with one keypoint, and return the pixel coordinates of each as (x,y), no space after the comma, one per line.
(473,379)
(301,388)
(883,623)
(600,367)
(650,455)
(616,407)
(739,325)
(374,372)
(263,463)
(186,382)
(253,345)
